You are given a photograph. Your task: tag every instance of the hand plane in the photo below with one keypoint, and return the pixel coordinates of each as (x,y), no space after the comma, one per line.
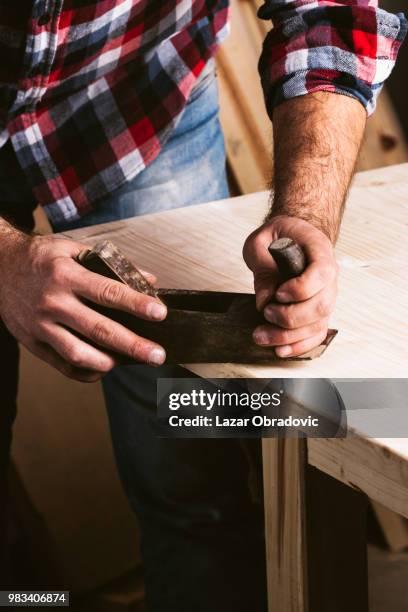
(201,326)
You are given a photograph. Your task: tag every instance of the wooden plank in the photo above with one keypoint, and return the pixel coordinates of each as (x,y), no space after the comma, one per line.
(378,468)
(238,135)
(246,126)
(263,26)
(315,531)
(284,462)
(370,342)
(247,10)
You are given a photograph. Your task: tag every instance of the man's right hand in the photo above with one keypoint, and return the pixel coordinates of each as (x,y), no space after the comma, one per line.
(42,293)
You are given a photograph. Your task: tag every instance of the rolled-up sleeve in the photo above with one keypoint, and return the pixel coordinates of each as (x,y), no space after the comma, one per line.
(347,47)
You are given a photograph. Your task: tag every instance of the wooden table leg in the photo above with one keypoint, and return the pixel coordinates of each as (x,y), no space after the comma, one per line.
(284,462)
(315,535)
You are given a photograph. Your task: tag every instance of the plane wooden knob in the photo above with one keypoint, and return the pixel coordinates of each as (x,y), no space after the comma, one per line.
(289,258)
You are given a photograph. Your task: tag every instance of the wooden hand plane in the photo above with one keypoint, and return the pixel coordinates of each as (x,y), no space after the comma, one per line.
(201,326)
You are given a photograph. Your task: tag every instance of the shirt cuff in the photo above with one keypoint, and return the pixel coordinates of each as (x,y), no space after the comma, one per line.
(328,46)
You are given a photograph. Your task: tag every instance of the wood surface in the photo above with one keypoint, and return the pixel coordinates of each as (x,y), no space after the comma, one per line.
(284,465)
(245,123)
(316,530)
(377,467)
(373,289)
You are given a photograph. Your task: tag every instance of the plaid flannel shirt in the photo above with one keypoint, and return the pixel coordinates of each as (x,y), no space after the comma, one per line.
(90,90)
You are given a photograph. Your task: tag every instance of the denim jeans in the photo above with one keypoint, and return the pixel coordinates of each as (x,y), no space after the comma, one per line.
(201,526)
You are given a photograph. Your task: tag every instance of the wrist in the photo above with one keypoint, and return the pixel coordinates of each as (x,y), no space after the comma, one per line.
(299,211)
(11,239)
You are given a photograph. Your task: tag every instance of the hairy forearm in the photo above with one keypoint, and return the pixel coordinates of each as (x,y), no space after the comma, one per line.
(10,237)
(317,138)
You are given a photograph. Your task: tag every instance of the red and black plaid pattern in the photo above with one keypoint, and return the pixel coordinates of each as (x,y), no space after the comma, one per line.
(344,46)
(99,88)
(90,90)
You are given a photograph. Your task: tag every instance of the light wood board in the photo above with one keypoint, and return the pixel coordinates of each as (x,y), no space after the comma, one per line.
(284,499)
(200,248)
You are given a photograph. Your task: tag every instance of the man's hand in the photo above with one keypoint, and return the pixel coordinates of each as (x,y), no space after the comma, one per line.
(299,309)
(42,293)
(316,142)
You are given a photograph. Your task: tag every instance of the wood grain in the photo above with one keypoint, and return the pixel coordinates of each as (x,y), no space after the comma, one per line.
(284,462)
(378,468)
(373,289)
(245,123)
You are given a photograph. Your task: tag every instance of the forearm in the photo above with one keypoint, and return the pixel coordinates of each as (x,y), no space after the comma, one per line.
(10,239)
(317,138)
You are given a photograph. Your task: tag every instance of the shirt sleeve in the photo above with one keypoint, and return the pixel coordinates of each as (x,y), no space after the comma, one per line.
(347,47)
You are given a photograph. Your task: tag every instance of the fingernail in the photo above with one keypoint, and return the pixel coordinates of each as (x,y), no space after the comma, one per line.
(156,311)
(281,296)
(283,351)
(260,337)
(269,314)
(157,356)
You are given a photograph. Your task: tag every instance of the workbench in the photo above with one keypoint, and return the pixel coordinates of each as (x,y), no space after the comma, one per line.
(315,491)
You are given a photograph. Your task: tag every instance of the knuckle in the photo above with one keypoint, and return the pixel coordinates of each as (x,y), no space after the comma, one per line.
(75,356)
(319,328)
(47,303)
(288,318)
(278,336)
(282,336)
(251,247)
(100,333)
(59,270)
(323,308)
(42,328)
(111,293)
(137,351)
(328,271)
(299,289)
(106,366)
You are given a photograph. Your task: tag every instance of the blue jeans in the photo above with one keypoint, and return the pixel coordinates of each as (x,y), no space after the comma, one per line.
(201,525)
(189,170)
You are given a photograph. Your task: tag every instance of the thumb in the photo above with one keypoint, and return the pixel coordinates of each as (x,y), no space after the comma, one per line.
(265,285)
(263,267)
